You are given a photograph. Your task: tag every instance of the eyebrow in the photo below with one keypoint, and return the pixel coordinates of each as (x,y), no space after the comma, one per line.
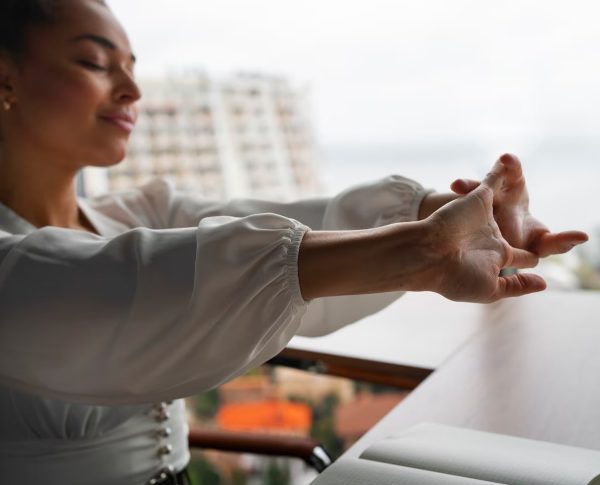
(103,41)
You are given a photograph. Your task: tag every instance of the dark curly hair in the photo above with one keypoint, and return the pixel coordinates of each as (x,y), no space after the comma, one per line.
(17,16)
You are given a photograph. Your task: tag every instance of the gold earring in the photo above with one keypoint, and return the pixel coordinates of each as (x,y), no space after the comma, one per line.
(6,105)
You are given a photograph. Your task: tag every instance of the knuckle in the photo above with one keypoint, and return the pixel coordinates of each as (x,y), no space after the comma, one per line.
(484,194)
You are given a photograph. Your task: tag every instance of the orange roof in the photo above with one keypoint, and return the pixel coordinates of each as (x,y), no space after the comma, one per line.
(265,415)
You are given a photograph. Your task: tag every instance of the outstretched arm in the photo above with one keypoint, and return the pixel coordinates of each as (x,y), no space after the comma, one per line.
(457,252)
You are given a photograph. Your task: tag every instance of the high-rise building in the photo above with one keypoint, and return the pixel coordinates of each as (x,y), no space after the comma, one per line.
(245,136)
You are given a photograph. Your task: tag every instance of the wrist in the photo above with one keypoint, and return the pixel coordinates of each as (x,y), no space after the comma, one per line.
(411,255)
(421,254)
(396,257)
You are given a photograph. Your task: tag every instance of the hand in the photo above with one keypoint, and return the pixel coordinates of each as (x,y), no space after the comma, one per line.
(511,212)
(473,250)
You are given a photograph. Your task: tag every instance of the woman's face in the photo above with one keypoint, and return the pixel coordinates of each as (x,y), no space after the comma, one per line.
(75,91)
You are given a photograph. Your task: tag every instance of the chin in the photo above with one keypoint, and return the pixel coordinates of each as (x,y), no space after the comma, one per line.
(108,158)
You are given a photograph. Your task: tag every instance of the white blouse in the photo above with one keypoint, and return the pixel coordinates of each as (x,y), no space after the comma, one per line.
(177,295)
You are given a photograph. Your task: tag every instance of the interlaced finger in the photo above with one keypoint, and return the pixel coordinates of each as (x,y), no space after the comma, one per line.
(518,285)
(521,258)
(464,186)
(514,170)
(558,243)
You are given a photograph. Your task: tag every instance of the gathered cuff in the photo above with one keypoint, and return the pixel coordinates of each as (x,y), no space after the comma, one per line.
(408,196)
(293,252)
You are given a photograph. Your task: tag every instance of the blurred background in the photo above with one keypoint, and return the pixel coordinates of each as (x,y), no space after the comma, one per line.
(274,98)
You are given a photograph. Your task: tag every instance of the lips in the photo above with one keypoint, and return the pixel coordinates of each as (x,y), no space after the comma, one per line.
(124,121)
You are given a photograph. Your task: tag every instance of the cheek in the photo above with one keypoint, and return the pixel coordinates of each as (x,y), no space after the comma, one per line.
(59,113)
(65,96)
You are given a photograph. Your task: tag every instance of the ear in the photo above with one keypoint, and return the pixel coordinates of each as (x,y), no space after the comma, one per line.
(7,77)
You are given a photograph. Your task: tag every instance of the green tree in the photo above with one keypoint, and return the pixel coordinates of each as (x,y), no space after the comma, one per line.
(323,425)
(276,474)
(202,472)
(206,404)
(239,478)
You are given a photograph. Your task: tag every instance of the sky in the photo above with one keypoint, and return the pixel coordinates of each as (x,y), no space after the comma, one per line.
(396,71)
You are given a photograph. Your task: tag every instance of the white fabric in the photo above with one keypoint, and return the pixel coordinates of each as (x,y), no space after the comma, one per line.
(177,295)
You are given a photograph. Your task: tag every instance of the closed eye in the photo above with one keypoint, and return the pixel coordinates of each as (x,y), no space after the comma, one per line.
(93,66)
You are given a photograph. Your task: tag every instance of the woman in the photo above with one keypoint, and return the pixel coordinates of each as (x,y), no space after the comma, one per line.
(114,308)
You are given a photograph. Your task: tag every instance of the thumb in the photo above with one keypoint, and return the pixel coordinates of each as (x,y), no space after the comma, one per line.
(495,177)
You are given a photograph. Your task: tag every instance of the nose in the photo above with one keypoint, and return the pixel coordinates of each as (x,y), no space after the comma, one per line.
(127,89)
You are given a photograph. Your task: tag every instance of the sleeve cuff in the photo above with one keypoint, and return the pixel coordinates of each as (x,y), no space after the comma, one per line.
(293,251)
(408,194)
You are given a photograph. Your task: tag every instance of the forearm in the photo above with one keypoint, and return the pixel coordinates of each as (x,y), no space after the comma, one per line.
(433,201)
(397,257)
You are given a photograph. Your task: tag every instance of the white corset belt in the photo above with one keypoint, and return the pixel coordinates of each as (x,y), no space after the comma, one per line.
(131,454)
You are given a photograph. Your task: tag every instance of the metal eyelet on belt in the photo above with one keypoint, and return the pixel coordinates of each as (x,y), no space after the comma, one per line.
(165,476)
(164,432)
(162,406)
(165,450)
(163,416)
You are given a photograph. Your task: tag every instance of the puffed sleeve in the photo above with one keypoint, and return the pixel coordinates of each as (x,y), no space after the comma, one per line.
(149,315)
(385,201)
